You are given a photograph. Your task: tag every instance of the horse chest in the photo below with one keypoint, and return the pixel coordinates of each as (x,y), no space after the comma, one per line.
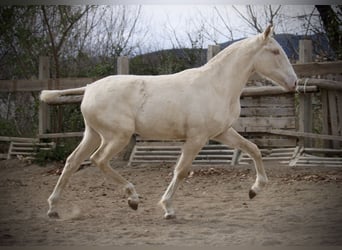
(221,118)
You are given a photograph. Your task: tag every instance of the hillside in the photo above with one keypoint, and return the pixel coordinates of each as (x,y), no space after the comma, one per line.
(174,60)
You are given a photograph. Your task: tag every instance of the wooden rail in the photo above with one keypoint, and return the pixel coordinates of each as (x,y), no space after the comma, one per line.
(39,85)
(17,139)
(321,83)
(249,91)
(302,70)
(60,135)
(28,149)
(304,134)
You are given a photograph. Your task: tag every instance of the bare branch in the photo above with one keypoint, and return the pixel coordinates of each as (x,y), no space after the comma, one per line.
(228,28)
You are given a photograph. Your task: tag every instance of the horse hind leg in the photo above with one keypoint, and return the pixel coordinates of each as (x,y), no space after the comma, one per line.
(110,146)
(88,145)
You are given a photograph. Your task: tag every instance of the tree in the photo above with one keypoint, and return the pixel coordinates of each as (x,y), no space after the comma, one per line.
(118,32)
(259,19)
(187,50)
(20,45)
(332,22)
(73,36)
(120,29)
(59,21)
(20,42)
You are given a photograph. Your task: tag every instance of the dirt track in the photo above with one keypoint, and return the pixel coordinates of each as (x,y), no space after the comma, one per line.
(298,207)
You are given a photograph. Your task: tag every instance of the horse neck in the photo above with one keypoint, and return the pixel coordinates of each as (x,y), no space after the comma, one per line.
(233,66)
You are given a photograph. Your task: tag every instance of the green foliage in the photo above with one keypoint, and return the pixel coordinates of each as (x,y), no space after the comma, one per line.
(167,61)
(331,17)
(102,70)
(141,65)
(7,128)
(73,120)
(21,41)
(58,154)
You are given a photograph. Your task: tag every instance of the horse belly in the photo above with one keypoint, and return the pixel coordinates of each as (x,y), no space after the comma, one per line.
(160,125)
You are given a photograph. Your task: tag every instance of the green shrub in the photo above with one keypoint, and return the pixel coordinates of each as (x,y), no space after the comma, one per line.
(7,128)
(57,154)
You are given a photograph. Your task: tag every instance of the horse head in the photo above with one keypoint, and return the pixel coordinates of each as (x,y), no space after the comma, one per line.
(272,63)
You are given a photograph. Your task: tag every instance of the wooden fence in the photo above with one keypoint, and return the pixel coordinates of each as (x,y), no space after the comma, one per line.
(303,70)
(270,117)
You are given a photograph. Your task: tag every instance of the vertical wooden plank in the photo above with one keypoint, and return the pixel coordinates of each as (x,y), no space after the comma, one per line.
(123,65)
(9,155)
(305,51)
(325,117)
(236,157)
(44,110)
(305,100)
(44,67)
(339,112)
(333,116)
(123,69)
(334,103)
(212,51)
(306,116)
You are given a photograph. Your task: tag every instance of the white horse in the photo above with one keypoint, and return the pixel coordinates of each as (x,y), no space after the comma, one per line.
(194,105)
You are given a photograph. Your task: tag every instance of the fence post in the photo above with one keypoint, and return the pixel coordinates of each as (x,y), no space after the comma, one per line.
(123,69)
(123,65)
(305,100)
(44,110)
(212,51)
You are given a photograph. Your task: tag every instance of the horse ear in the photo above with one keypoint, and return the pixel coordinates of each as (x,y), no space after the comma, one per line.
(268,31)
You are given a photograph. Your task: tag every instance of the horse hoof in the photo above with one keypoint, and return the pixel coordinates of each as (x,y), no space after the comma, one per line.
(133,204)
(251,194)
(53,215)
(169,216)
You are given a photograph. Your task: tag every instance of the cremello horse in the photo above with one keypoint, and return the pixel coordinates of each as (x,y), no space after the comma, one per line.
(194,105)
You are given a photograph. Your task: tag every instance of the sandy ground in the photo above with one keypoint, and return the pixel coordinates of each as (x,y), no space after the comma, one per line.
(300,206)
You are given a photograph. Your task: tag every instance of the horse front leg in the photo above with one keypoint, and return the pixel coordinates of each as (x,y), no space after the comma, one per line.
(189,151)
(232,138)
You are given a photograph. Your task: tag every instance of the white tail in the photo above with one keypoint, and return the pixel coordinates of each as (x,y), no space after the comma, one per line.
(52,95)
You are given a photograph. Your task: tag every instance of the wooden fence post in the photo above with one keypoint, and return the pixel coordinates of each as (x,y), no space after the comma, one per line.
(305,99)
(123,65)
(212,51)
(332,114)
(123,69)
(44,110)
